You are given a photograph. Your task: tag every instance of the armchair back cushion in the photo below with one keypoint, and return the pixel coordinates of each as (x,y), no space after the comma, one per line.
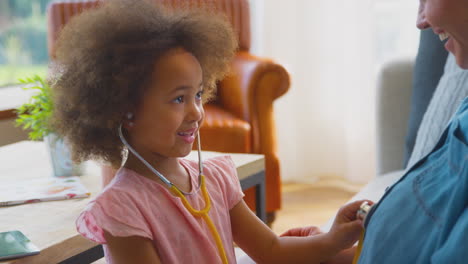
(448,95)
(428,68)
(236,11)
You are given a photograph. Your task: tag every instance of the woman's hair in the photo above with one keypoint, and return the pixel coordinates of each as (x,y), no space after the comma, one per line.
(105,57)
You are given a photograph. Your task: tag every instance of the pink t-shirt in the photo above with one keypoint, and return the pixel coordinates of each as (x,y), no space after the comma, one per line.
(133,205)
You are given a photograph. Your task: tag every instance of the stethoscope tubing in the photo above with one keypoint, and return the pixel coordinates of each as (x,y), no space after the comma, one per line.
(176,191)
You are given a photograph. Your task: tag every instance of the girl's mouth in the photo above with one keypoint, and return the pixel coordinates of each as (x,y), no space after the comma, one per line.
(188,136)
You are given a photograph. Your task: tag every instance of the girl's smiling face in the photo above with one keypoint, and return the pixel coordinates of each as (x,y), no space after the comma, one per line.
(168,119)
(447,18)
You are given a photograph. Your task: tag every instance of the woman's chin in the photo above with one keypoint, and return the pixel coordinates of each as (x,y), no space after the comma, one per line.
(459,51)
(462,59)
(464,65)
(449,45)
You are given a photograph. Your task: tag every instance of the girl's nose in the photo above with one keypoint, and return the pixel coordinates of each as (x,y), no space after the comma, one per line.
(195,111)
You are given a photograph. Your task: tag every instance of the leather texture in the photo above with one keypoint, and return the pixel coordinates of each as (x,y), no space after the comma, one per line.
(241,118)
(236,11)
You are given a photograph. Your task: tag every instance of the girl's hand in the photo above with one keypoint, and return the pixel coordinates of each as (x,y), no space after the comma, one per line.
(303,231)
(346,228)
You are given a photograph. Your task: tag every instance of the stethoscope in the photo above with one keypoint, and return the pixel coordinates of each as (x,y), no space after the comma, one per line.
(203,213)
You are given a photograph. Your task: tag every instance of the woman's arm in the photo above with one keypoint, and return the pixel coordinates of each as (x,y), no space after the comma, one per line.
(133,249)
(261,244)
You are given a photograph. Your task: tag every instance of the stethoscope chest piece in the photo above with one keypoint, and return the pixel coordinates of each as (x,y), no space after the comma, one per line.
(363,211)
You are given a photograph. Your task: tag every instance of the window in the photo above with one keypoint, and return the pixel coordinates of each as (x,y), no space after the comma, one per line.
(23,40)
(395,31)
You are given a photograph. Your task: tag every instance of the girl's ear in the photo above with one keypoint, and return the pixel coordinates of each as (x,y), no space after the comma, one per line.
(128,122)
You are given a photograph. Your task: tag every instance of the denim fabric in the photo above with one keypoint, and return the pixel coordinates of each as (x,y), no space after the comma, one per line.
(423,218)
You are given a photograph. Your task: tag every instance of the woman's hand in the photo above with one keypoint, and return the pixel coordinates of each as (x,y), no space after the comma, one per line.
(347,228)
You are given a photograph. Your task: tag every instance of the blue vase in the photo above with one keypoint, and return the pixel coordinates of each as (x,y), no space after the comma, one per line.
(60,155)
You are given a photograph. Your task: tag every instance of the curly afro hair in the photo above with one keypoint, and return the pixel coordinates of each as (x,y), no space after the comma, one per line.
(105,56)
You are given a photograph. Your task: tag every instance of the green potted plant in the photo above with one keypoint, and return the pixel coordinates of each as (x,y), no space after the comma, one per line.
(34,116)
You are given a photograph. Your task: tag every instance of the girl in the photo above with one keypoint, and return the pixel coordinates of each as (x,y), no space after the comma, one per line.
(134,76)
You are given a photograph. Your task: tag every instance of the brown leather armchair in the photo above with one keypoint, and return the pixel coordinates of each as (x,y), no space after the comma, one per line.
(241,118)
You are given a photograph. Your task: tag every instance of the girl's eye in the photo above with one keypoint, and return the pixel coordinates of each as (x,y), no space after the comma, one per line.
(200,94)
(179,99)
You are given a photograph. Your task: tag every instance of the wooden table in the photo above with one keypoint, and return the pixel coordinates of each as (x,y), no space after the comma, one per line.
(51,225)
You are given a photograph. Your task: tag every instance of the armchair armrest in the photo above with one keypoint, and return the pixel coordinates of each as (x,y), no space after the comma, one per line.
(394,89)
(249,91)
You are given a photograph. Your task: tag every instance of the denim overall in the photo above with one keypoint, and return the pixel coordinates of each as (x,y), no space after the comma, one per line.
(423,218)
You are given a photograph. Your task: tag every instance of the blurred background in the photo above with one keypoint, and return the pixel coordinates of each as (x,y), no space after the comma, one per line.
(332,49)
(23,39)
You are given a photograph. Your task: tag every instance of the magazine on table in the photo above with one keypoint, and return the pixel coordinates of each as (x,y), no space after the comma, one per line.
(41,190)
